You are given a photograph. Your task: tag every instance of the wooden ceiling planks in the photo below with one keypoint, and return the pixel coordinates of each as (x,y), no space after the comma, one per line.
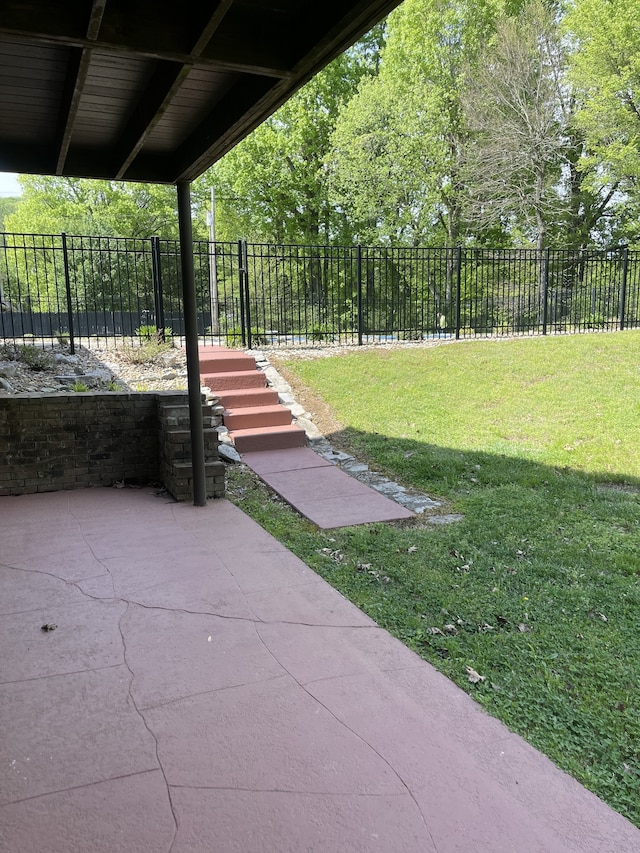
(151,89)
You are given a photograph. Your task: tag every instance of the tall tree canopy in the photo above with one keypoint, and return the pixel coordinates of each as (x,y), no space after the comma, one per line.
(49,205)
(398,144)
(519,117)
(272,186)
(605,70)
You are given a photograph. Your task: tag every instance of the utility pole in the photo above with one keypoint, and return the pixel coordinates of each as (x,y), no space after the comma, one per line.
(213,273)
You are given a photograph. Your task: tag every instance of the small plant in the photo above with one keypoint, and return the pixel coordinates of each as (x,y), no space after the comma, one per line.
(63,338)
(321,332)
(35,358)
(113,386)
(79,387)
(234,337)
(146,353)
(152,333)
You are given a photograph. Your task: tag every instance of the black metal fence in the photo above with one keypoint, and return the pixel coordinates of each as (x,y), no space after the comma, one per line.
(89,288)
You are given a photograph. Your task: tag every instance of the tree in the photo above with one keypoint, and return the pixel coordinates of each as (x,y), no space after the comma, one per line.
(519,115)
(605,71)
(605,68)
(271,187)
(7,206)
(398,145)
(49,205)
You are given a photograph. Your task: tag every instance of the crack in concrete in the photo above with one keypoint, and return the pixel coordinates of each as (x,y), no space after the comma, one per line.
(151,733)
(79,787)
(362,672)
(93,553)
(61,674)
(210,692)
(289,791)
(356,735)
(130,600)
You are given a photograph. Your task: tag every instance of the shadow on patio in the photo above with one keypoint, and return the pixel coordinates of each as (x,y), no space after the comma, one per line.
(204,690)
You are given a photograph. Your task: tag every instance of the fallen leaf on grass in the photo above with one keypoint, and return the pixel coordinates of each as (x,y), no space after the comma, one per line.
(524,628)
(412,549)
(336,556)
(450,629)
(434,631)
(473,676)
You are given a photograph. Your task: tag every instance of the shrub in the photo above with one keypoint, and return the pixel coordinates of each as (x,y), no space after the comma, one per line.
(35,359)
(147,353)
(234,337)
(152,333)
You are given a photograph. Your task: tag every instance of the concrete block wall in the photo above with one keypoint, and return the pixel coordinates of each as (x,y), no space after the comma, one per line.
(63,441)
(175,448)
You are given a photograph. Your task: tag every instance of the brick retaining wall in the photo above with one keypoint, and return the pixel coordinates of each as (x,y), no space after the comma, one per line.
(73,440)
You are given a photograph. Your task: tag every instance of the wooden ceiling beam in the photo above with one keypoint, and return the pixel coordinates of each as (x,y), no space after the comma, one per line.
(159,94)
(157,97)
(77,70)
(230,110)
(156,38)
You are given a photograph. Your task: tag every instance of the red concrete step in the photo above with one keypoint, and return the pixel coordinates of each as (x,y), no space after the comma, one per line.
(224,361)
(248,397)
(255,417)
(269,438)
(233,380)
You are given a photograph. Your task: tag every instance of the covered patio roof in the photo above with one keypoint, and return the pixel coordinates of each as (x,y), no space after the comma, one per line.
(158,91)
(155,90)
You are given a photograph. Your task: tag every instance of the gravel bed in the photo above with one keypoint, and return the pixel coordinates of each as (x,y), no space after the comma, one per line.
(104,368)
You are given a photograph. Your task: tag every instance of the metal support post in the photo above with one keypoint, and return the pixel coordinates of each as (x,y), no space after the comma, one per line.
(191,343)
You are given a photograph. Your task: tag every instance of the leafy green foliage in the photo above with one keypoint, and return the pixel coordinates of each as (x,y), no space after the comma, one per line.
(397,146)
(148,352)
(271,187)
(606,70)
(36,359)
(49,205)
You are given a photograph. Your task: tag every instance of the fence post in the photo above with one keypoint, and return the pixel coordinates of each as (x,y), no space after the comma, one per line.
(359,292)
(545,289)
(241,286)
(458,290)
(247,305)
(623,287)
(156,276)
(67,286)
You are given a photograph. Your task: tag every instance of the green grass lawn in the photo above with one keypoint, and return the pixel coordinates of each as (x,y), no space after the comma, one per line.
(537,443)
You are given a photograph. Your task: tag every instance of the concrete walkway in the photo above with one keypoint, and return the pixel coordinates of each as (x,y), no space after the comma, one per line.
(321,491)
(203,690)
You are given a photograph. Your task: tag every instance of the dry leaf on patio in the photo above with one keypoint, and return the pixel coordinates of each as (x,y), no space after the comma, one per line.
(48,626)
(473,676)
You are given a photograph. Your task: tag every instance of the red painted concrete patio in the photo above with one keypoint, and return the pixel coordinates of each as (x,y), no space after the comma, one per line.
(205,691)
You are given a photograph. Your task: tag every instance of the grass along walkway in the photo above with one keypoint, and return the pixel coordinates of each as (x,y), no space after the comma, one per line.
(537,590)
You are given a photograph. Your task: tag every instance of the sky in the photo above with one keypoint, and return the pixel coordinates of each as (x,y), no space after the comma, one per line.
(8,184)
